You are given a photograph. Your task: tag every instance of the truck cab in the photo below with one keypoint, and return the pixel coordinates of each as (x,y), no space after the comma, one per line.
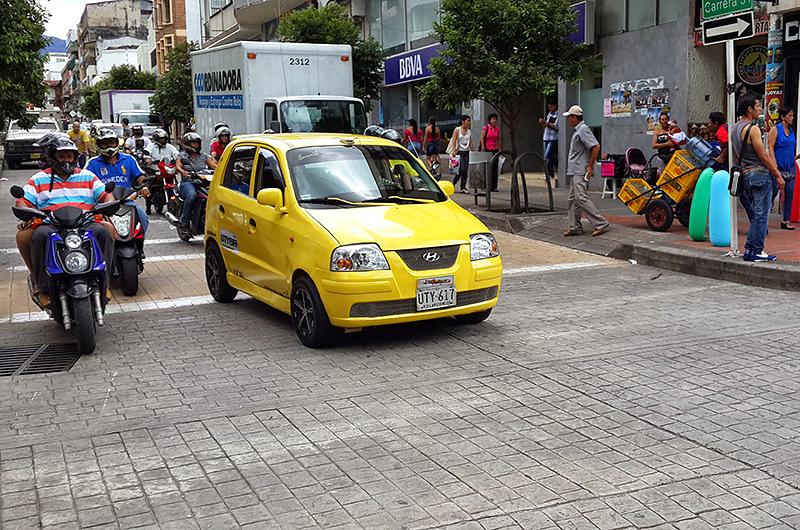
(318,114)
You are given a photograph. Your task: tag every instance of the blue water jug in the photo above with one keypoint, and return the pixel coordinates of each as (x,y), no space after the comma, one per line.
(702,151)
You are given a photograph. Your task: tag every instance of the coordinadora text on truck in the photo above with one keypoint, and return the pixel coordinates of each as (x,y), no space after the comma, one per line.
(279,87)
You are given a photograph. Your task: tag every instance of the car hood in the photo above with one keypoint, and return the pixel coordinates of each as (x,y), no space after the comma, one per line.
(34,135)
(402,226)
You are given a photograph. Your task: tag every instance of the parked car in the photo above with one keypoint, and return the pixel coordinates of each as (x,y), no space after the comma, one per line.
(18,142)
(344,232)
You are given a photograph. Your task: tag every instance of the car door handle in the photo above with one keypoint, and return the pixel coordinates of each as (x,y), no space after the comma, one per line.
(252,222)
(221,209)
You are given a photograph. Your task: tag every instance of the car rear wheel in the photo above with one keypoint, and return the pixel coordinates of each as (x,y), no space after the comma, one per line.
(474,318)
(309,317)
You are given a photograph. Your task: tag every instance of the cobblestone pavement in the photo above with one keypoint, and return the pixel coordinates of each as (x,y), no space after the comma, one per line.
(605,397)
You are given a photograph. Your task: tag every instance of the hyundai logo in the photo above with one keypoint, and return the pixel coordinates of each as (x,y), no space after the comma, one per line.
(431,256)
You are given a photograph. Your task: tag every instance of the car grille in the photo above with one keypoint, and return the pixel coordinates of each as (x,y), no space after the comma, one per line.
(415,258)
(409,305)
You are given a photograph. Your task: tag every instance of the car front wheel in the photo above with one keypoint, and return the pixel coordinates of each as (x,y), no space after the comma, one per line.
(309,317)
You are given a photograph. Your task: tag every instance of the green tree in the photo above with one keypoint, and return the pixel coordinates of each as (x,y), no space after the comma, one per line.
(21,65)
(331,24)
(173,97)
(501,50)
(121,77)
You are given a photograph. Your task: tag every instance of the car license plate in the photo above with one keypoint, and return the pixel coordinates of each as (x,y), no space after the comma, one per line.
(436,293)
(36,156)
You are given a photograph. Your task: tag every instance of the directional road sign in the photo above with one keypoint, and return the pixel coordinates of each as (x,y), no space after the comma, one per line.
(719,8)
(728,28)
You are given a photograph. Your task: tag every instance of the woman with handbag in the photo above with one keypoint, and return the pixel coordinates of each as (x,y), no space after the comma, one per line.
(459,147)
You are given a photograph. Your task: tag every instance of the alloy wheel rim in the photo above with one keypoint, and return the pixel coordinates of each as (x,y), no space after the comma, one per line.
(212,271)
(303,309)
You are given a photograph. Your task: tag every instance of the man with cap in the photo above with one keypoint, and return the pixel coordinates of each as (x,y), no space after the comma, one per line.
(583,152)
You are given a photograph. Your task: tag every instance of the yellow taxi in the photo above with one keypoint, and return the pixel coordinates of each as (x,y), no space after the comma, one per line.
(344,232)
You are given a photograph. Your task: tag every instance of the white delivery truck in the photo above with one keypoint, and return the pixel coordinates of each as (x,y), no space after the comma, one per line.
(133,104)
(279,87)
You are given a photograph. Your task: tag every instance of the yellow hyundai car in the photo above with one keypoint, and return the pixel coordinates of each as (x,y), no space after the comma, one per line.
(344,232)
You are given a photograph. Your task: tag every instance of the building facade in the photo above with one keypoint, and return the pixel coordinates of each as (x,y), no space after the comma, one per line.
(70,75)
(169,20)
(146,54)
(227,21)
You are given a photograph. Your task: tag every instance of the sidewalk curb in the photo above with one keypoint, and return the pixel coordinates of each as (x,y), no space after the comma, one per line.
(782,276)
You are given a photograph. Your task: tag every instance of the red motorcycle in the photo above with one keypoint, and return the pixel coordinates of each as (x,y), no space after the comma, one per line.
(163,188)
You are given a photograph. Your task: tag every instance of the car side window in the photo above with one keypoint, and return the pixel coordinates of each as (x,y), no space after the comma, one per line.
(239,169)
(268,172)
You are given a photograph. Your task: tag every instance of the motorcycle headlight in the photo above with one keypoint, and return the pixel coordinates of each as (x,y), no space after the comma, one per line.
(73,241)
(122,223)
(365,257)
(76,262)
(482,246)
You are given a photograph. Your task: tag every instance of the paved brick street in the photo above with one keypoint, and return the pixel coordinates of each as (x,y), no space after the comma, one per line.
(598,395)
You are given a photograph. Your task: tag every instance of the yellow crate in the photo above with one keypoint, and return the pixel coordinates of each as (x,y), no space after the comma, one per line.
(635,194)
(684,165)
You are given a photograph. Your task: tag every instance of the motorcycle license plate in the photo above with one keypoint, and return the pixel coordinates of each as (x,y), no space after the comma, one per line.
(436,293)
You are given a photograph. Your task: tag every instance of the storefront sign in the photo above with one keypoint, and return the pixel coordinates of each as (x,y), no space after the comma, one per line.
(409,66)
(584,19)
(718,8)
(751,65)
(791,35)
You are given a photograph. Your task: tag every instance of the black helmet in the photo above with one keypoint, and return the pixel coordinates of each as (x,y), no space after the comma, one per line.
(223,131)
(374,130)
(159,134)
(218,126)
(391,134)
(104,135)
(190,138)
(137,130)
(52,143)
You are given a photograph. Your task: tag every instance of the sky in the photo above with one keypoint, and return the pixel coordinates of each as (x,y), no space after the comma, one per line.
(64,15)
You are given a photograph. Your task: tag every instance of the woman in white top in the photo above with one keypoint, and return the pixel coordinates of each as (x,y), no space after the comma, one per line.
(460,145)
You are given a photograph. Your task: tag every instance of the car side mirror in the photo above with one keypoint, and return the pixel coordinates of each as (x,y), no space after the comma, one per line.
(270,197)
(447,187)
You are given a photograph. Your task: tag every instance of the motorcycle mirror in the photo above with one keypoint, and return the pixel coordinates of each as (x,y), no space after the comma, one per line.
(110,187)
(17,192)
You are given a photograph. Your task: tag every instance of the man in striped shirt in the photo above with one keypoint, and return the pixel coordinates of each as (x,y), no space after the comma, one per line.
(61,184)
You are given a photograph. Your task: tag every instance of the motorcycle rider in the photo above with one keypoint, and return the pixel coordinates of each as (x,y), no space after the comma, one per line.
(121,168)
(137,131)
(213,145)
(61,184)
(191,160)
(160,148)
(223,139)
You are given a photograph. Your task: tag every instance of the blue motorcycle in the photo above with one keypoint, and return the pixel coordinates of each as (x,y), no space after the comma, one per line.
(75,266)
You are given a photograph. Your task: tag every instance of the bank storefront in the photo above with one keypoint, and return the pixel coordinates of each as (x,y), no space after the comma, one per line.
(403,74)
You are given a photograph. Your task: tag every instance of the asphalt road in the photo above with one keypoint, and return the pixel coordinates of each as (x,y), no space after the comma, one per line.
(599,396)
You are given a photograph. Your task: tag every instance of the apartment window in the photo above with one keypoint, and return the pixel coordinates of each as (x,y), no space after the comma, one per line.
(611,16)
(421,16)
(153,59)
(374,19)
(166,11)
(668,10)
(616,16)
(641,14)
(393,24)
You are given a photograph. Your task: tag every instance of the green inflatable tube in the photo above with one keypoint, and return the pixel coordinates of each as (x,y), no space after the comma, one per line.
(698,214)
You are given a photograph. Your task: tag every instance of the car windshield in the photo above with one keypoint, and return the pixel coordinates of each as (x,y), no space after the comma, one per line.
(117,128)
(143,118)
(360,175)
(42,126)
(323,116)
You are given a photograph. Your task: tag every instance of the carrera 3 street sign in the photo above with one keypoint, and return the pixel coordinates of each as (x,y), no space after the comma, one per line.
(725,29)
(719,8)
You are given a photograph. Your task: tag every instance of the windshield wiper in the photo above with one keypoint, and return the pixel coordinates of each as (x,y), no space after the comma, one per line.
(397,199)
(335,201)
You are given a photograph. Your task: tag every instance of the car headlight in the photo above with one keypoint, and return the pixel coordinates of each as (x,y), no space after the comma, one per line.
(482,246)
(365,257)
(73,241)
(122,223)
(76,261)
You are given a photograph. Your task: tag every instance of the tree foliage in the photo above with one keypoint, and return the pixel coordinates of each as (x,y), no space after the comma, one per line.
(21,65)
(121,77)
(173,97)
(501,50)
(332,24)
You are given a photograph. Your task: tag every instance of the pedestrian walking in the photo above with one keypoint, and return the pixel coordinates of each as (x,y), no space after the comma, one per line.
(758,170)
(460,145)
(412,137)
(583,152)
(82,141)
(782,144)
(491,143)
(430,144)
(550,138)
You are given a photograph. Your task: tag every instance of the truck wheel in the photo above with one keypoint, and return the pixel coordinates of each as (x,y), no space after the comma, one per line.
(84,325)
(129,276)
(309,317)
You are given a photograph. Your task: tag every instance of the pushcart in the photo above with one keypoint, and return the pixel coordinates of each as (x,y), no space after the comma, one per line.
(670,198)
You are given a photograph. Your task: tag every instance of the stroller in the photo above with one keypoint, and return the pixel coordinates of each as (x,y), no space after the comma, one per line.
(637,166)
